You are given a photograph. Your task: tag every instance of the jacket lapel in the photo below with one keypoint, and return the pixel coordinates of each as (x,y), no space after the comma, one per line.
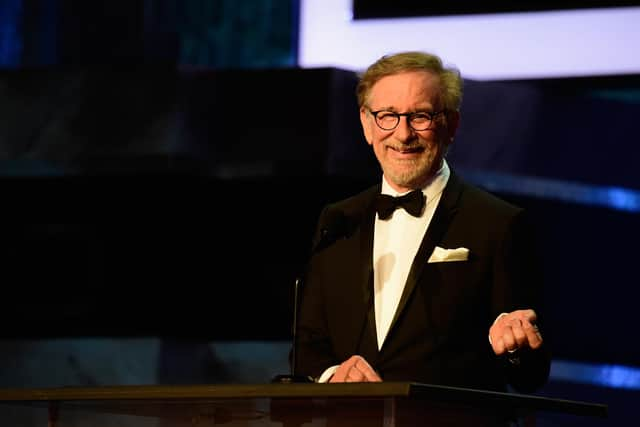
(445,211)
(366,326)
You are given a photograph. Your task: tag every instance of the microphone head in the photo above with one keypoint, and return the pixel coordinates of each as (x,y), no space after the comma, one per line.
(337,226)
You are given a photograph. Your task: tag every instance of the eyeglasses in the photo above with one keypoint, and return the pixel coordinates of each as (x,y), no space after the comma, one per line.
(388,120)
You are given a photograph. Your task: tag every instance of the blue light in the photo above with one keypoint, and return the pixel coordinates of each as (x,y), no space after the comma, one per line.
(622,199)
(617,198)
(603,375)
(10,37)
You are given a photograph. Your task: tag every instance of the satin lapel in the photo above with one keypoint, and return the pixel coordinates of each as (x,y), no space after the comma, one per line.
(439,223)
(366,272)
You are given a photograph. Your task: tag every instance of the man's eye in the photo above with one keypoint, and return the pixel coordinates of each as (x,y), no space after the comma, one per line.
(421,117)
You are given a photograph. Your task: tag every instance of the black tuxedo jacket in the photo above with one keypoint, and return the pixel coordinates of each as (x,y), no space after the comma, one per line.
(440,331)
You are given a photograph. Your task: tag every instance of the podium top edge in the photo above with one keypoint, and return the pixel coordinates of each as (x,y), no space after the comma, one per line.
(208,392)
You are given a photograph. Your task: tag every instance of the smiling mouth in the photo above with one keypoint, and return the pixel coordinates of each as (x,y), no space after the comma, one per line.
(407,150)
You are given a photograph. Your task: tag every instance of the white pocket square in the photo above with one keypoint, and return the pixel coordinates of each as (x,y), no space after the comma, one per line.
(446,255)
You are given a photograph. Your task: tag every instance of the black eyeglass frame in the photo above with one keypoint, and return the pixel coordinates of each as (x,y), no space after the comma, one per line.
(432,116)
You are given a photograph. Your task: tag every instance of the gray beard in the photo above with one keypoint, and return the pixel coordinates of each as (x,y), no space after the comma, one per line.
(415,178)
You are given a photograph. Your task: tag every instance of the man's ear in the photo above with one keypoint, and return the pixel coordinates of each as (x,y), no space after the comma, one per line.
(366,125)
(453,121)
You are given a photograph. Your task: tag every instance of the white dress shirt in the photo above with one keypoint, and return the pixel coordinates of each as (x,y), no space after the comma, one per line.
(395,244)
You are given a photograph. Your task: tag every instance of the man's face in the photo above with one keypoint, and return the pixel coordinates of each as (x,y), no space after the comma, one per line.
(408,158)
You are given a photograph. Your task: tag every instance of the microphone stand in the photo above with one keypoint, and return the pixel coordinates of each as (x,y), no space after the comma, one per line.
(338,226)
(293,377)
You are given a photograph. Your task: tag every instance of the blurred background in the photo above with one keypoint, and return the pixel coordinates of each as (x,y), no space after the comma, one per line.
(151,150)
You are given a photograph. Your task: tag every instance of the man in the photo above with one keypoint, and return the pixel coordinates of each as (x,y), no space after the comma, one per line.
(442,291)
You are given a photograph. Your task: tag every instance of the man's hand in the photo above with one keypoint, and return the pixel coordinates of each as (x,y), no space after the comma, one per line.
(354,370)
(514,331)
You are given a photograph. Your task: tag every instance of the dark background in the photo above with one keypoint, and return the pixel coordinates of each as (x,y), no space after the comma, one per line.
(150,151)
(169,150)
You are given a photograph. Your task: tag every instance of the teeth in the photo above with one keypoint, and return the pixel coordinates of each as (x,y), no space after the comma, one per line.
(404,150)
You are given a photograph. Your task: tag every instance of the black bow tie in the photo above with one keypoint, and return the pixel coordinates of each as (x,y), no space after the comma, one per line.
(412,202)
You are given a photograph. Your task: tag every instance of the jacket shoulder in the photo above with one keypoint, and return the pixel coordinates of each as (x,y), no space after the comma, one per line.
(356,205)
(478,199)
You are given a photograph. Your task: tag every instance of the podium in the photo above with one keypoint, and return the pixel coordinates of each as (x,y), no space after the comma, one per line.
(386,404)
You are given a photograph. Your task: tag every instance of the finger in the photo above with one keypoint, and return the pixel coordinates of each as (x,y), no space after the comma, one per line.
(505,322)
(534,337)
(519,334)
(372,376)
(362,365)
(339,376)
(509,339)
(368,373)
(498,346)
(503,335)
(496,330)
(354,376)
(530,316)
(343,370)
(527,315)
(495,339)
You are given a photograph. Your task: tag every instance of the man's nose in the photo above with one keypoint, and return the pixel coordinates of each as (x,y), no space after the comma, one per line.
(404,132)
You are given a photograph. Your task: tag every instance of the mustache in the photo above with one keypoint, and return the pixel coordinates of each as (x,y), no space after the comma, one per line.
(406,147)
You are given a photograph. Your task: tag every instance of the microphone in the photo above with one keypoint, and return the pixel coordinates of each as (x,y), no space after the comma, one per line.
(338,226)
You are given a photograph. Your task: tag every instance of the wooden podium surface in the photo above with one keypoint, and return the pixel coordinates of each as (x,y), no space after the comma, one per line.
(387,403)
